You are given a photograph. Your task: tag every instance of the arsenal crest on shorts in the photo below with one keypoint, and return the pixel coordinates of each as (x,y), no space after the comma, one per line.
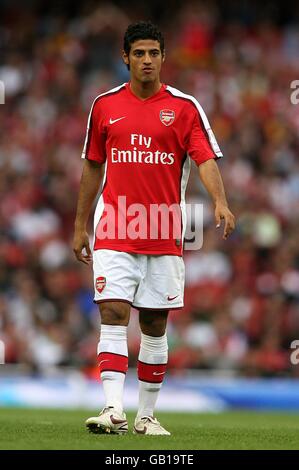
(167,116)
(100,283)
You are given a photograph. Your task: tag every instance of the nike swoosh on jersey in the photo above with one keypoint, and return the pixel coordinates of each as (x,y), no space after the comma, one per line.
(172,298)
(112,121)
(158,373)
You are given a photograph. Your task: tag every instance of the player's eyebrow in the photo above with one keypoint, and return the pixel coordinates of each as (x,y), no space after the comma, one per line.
(144,50)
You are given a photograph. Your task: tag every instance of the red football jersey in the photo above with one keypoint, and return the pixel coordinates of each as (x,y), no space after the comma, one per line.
(146,146)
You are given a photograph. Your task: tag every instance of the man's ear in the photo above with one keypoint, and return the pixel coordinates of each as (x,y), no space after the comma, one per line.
(163,56)
(125,57)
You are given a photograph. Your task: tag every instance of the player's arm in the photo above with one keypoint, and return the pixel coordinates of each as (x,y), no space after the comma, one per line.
(89,187)
(211,178)
(202,147)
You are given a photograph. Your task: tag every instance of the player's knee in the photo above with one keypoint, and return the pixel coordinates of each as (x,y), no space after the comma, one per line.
(115,314)
(153,325)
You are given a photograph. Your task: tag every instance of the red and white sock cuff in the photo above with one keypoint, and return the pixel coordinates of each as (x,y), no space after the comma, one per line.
(112,362)
(153,357)
(113,349)
(151,373)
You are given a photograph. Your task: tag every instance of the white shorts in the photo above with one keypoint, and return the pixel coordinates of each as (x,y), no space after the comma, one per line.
(144,281)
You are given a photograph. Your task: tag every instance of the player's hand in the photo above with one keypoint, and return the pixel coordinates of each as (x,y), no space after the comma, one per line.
(223,212)
(80,243)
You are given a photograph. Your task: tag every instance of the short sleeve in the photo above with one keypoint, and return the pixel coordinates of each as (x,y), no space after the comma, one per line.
(95,140)
(202,144)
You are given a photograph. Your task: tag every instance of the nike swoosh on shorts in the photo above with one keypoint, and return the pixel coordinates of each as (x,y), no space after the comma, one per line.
(172,298)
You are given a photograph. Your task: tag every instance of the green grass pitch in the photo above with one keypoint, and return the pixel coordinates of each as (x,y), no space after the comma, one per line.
(64,429)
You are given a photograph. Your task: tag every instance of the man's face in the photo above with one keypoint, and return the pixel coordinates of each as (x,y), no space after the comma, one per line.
(145,60)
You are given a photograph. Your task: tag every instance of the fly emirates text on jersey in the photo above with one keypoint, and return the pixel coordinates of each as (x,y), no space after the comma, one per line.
(141,156)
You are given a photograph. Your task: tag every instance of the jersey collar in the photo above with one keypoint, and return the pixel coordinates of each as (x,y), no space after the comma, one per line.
(150,98)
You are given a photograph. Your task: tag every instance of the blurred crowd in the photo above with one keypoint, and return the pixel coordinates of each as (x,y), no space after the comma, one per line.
(242,295)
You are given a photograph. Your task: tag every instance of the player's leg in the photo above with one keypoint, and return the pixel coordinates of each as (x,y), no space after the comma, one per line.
(113,365)
(115,281)
(152,363)
(160,290)
(113,351)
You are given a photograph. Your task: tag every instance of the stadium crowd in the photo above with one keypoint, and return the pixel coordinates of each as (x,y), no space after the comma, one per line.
(242,295)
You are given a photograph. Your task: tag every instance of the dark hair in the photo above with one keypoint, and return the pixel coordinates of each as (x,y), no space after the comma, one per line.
(142,30)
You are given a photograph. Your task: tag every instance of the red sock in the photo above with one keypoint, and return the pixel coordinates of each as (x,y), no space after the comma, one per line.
(152,373)
(112,362)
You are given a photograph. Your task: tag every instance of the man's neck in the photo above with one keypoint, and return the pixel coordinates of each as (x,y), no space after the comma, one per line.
(145,90)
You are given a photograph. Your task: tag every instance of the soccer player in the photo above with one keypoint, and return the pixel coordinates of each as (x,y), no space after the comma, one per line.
(143,135)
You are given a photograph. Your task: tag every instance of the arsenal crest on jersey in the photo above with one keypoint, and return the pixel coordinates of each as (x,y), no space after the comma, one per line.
(167,116)
(100,283)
